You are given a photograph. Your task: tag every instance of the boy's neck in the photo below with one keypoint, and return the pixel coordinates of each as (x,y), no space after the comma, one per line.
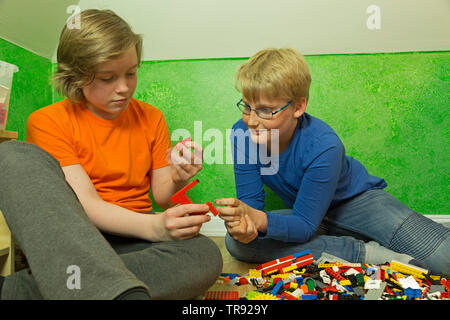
(286,140)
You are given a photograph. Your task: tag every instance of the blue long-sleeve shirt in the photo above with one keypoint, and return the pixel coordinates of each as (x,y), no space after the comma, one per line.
(311,175)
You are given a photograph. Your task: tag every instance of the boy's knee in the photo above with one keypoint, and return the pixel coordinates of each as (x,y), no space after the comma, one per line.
(8,149)
(18,150)
(210,253)
(21,154)
(202,266)
(235,248)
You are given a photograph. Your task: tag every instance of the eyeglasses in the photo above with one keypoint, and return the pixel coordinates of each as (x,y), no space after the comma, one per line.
(263,113)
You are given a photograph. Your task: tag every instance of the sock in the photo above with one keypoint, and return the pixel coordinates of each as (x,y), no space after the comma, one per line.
(134,294)
(1,285)
(377,254)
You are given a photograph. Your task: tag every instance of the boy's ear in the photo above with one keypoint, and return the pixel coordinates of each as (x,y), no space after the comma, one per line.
(300,107)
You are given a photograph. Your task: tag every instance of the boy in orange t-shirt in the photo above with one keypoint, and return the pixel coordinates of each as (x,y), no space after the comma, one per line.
(110,149)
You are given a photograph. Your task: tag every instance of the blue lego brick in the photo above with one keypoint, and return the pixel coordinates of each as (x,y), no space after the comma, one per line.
(413,293)
(231,275)
(301,254)
(277,288)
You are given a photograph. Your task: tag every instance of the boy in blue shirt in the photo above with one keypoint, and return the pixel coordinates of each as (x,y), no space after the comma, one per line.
(334,204)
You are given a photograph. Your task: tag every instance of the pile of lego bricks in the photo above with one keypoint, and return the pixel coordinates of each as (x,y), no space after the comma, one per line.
(299,277)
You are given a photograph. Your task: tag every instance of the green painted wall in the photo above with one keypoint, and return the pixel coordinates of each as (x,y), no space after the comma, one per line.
(31,87)
(390,110)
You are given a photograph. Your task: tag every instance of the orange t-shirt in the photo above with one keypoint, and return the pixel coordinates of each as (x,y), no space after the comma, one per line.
(118,155)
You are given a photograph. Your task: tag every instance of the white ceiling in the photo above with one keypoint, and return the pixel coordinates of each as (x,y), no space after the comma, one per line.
(33,24)
(192,29)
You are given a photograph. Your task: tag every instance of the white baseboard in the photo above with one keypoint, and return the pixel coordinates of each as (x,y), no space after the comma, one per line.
(216,227)
(439,218)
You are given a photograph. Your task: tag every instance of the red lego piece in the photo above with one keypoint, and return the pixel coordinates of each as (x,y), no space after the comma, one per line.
(288,296)
(285,262)
(389,291)
(303,261)
(446,284)
(428,282)
(274,262)
(222,295)
(182,198)
(330,288)
(343,269)
(334,274)
(212,208)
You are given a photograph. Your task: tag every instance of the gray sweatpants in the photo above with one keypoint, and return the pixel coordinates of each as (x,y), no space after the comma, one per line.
(70,258)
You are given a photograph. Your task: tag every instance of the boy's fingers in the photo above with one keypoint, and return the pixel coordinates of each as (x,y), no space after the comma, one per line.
(232,224)
(191,157)
(182,210)
(186,233)
(198,152)
(230,218)
(176,159)
(186,153)
(227,211)
(250,225)
(227,202)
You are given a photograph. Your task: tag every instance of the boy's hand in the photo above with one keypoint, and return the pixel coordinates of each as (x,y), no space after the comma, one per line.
(238,221)
(177,224)
(185,163)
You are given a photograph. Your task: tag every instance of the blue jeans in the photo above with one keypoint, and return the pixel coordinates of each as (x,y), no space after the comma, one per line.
(374,215)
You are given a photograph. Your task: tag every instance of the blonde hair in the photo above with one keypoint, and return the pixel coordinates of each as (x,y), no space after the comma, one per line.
(274,74)
(102,36)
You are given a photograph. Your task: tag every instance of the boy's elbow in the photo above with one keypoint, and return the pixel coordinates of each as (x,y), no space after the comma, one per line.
(304,236)
(163,205)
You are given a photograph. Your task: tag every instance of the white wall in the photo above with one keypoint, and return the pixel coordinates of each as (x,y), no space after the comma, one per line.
(190,29)
(34,24)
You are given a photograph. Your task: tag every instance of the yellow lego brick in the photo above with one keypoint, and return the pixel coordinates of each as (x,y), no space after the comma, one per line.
(271,272)
(299,271)
(281,276)
(264,296)
(408,269)
(253,273)
(345,283)
(293,285)
(352,265)
(290,268)
(396,282)
(330,265)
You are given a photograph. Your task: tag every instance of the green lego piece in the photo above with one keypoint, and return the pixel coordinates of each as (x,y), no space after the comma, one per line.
(311,284)
(252,294)
(360,279)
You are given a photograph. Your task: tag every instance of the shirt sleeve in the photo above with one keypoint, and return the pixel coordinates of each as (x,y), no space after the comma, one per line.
(315,194)
(249,185)
(49,135)
(161,145)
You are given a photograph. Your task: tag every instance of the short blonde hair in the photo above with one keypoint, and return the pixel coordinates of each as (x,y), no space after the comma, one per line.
(274,74)
(102,36)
